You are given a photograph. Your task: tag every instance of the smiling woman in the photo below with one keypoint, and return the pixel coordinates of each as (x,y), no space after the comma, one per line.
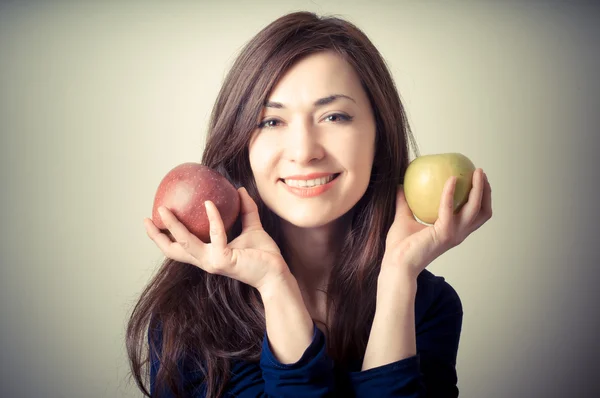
(321,289)
(317,123)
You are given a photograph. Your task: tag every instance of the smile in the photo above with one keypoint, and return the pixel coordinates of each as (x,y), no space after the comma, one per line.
(310,188)
(309,183)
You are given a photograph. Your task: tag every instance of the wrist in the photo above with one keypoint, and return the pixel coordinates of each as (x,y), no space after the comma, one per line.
(402,267)
(397,273)
(396,284)
(393,334)
(289,325)
(277,284)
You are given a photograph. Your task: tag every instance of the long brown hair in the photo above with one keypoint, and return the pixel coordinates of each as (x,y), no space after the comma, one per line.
(208,320)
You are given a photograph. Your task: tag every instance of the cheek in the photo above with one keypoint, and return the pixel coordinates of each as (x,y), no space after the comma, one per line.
(257,169)
(261,157)
(359,154)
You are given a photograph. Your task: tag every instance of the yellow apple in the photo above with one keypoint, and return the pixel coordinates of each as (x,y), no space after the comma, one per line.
(425,178)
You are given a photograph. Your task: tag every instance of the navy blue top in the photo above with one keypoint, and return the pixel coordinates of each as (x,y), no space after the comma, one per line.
(430,373)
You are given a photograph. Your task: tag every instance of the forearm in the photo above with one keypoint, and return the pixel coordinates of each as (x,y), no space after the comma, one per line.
(289,324)
(393,335)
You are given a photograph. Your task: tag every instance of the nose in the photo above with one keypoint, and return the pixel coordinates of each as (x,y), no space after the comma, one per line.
(302,144)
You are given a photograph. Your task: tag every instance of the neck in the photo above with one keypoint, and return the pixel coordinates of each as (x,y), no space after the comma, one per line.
(311,252)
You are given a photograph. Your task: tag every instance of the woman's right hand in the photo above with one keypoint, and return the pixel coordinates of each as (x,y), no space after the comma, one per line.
(253,257)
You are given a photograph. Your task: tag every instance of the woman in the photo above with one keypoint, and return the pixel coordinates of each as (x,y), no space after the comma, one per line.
(321,287)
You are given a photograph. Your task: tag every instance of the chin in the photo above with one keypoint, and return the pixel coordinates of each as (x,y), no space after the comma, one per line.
(302,220)
(310,224)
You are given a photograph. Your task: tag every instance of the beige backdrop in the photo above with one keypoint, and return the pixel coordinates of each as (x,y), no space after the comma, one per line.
(98,102)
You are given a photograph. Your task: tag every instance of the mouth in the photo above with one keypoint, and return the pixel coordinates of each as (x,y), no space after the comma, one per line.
(311,188)
(312,183)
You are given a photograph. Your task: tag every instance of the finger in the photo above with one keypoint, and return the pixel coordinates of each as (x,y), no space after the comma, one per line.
(218,236)
(170,249)
(248,212)
(446,209)
(182,235)
(473,205)
(486,205)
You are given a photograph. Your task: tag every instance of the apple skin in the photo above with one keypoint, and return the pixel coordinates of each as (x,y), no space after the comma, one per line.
(185,189)
(425,178)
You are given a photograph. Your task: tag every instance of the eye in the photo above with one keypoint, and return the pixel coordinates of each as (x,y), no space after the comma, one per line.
(269,123)
(338,118)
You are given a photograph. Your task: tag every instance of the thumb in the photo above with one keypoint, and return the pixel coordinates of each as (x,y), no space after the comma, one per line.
(248,211)
(403,211)
(404,223)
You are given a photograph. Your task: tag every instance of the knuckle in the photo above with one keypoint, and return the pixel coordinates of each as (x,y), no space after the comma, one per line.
(472,218)
(167,222)
(166,251)
(185,244)
(218,262)
(486,215)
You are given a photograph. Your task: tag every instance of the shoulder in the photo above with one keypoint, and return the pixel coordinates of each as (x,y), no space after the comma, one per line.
(435,298)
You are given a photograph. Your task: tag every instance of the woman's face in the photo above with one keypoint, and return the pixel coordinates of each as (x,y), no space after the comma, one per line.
(312,153)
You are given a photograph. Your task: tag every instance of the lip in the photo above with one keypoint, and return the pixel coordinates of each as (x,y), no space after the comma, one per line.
(312,191)
(311,176)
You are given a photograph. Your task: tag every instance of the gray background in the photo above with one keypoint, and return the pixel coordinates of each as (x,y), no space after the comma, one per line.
(98,102)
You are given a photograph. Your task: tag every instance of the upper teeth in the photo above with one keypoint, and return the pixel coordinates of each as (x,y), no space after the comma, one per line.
(308,183)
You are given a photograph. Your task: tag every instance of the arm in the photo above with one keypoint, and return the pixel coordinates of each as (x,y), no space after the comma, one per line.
(407,356)
(390,368)
(294,360)
(289,325)
(393,335)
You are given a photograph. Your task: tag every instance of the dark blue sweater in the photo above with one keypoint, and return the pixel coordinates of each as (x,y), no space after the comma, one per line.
(430,373)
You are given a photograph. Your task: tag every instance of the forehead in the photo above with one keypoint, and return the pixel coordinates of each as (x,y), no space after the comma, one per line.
(316,76)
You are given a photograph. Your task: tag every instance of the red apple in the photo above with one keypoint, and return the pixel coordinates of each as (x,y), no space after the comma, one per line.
(185,189)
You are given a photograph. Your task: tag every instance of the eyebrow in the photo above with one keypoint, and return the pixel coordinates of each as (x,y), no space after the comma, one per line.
(318,103)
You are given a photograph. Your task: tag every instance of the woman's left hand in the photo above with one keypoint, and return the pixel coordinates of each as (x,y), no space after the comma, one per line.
(411,246)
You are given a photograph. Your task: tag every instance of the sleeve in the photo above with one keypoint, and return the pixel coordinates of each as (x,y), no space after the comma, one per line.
(311,376)
(432,372)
